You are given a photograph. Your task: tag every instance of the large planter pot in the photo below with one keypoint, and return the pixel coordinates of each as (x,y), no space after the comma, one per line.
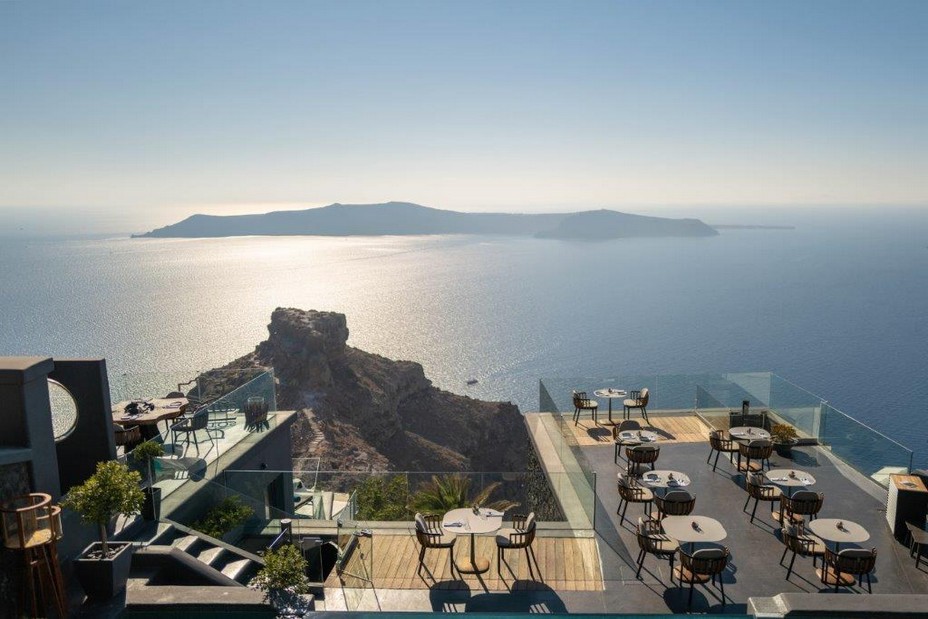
(785,449)
(104,578)
(151,508)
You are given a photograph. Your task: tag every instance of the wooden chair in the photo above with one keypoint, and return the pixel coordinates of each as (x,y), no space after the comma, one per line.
(720,443)
(126,437)
(630,491)
(759,490)
(583,403)
(628,425)
(917,538)
(639,400)
(520,536)
(757,450)
(641,454)
(700,567)
(857,562)
(653,541)
(674,503)
(429,534)
(802,503)
(797,541)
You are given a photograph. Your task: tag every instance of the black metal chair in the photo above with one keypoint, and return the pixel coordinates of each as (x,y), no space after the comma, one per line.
(757,450)
(256,414)
(653,541)
(190,426)
(630,491)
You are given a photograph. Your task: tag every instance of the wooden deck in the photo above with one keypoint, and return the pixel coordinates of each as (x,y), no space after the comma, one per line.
(686,428)
(563,564)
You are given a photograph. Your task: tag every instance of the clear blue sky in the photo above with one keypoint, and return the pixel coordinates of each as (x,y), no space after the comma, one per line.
(161,109)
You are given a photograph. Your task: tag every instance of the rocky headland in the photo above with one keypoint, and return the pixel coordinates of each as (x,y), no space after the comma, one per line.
(359,411)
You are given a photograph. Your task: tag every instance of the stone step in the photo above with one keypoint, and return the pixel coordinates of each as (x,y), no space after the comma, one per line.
(211,556)
(187,543)
(238,569)
(165,535)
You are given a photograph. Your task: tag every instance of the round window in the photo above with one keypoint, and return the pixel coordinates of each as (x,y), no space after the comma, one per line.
(64,409)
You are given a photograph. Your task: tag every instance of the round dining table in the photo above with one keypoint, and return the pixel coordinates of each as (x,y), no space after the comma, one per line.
(665,479)
(748,433)
(837,531)
(610,394)
(693,529)
(464,520)
(790,479)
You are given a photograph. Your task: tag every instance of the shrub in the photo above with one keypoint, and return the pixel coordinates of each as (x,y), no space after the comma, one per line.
(385,499)
(284,570)
(223,517)
(145,453)
(112,490)
(783,433)
(447,492)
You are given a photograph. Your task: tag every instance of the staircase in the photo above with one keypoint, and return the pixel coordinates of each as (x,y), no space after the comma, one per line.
(234,563)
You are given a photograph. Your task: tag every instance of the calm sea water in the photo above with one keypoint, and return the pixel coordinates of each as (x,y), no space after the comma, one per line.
(838,305)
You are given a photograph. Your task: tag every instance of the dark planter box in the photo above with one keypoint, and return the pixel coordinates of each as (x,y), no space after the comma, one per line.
(784,449)
(104,578)
(152,505)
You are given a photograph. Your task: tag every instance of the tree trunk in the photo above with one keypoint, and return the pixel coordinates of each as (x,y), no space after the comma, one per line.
(106,546)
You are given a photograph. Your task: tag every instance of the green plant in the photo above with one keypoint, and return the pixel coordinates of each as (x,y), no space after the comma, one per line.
(223,517)
(382,498)
(284,570)
(448,492)
(112,490)
(145,453)
(783,433)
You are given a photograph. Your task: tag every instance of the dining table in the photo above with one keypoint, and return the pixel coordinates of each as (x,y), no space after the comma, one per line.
(465,520)
(748,433)
(152,411)
(837,531)
(610,394)
(665,479)
(694,529)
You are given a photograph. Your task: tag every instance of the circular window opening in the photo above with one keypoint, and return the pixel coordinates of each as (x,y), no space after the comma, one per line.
(64,409)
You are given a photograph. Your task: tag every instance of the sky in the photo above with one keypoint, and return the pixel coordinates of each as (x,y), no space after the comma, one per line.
(130,115)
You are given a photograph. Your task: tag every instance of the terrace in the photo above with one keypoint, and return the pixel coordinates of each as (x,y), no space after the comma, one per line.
(585,557)
(356,530)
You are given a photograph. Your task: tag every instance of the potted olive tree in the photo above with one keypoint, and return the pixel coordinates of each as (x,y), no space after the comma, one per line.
(145,455)
(283,581)
(784,436)
(113,489)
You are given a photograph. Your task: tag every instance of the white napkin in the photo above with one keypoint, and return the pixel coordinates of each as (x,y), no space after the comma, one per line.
(778,478)
(492,512)
(455,524)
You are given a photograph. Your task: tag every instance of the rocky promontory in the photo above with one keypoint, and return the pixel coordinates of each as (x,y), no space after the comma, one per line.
(361,411)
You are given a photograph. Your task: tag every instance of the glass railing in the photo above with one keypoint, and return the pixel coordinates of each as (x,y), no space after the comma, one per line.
(222,388)
(715,397)
(392,498)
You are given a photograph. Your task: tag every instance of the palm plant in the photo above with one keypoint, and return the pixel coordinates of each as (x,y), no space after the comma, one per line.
(446,492)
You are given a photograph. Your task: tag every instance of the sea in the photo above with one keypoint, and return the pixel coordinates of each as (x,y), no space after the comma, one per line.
(837,305)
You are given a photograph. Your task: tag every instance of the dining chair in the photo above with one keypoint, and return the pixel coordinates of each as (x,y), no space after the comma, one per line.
(630,491)
(759,490)
(796,540)
(857,562)
(520,536)
(627,425)
(637,400)
(429,534)
(584,403)
(702,566)
(653,541)
(719,443)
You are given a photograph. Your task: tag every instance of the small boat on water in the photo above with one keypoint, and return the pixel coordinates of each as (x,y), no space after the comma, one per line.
(472,381)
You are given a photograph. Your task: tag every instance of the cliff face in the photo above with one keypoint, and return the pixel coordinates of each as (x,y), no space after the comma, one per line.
(361,411)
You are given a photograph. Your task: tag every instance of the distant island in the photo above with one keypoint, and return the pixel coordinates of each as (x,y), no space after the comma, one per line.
(404,218)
